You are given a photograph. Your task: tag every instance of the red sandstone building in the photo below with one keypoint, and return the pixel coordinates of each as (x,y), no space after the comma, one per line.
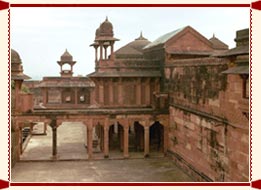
(182,95)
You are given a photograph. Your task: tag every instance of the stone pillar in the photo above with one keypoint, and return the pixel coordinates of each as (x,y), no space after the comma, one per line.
(105,51)
(120,92)
(146,141)
(101,93)
(126,139)
(45,96)
(17,141)
(165,139)
(106,138)
(147,92)
(20,139)
(18,86)
(92,96)
(138,92)
(96,55)
(53,125)
(31,125)
(90,139)
(111,92)
(121,138)
(101,51)
(112,54)
(75,96)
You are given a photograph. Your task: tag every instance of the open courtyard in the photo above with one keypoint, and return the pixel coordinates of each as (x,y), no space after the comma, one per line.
(124,170)
(72,164)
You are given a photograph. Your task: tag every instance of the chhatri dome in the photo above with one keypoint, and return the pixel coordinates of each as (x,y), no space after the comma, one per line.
(17,67)
(66,56)
(106,28)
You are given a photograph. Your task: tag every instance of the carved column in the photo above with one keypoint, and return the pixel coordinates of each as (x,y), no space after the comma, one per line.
(120,92)
(20,139)
(112,53)
(101,93)
(126,139)
(146,141)
(101,53)
(17,134)
(147,92)
(106,138)
(111,92)
(90,139)
(105,51)
(75,96)
(45,96)
(18,86)
(53,125)
(92,96)
(138,91)
(165,138)
(96,54)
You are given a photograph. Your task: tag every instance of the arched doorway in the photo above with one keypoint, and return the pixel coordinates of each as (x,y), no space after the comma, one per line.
(137,141)
(116,137)
(156,137)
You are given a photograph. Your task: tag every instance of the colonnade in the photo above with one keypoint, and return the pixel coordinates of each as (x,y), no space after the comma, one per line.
(105,123)
(90,126)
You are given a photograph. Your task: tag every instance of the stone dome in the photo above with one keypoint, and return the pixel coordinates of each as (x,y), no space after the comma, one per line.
(97,33)
(106,28)
(133,49)
(17,67)
(66,56)
(15,57)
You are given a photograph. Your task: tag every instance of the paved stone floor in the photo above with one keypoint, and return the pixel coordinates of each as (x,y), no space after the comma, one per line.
(73,165)
(70,142)
(70,145)
(128,170)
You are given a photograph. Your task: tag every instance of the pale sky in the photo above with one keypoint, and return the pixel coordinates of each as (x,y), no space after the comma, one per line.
(41,35)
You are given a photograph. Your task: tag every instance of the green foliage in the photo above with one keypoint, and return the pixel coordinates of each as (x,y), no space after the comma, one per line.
(25,89)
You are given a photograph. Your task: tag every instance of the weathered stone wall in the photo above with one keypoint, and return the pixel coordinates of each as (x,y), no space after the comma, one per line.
(212,148)
(208,126)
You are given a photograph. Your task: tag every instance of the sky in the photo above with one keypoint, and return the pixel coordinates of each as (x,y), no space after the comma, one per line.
(41,35)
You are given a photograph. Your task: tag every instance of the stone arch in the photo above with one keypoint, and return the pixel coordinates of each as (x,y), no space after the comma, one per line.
(138,140)
(66,67)
(156,137)
(116,136)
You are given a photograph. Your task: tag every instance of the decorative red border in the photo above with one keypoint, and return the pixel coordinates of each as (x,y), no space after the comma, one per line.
(130,5)
(250,106)
(9,97)
(254,5)
(131,184)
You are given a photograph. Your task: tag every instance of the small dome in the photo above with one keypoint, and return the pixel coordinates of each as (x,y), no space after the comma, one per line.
(97,33)
(17,67)
(15,58)
(66,56)
(106,28)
